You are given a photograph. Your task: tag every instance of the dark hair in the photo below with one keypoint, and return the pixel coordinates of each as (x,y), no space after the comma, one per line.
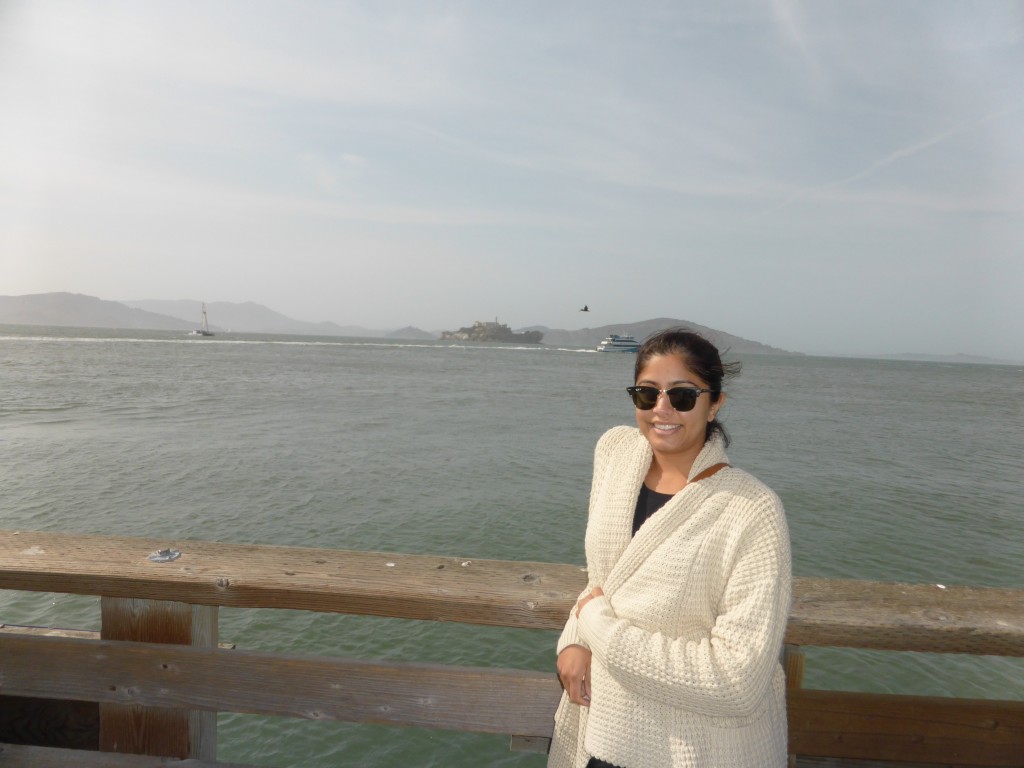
(699,355)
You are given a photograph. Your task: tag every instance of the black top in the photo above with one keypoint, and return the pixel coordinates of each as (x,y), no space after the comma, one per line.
(647,503)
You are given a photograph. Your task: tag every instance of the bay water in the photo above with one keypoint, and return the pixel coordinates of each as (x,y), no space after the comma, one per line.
(890,471)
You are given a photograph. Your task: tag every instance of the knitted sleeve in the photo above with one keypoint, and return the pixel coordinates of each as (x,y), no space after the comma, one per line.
(722,670)
(602,452)
(571,631)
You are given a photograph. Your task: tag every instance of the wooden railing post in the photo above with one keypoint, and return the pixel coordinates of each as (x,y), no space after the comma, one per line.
(793,663)
(157,730)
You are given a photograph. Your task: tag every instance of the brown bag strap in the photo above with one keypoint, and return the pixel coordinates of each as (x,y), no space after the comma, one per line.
(709,471)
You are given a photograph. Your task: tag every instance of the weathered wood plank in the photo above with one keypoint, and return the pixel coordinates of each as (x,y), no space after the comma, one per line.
(480,700)
(18,756)
(888,727)
(907,617)
(85,634)
(490,592)
(23,629)
(842,613)
(822,723)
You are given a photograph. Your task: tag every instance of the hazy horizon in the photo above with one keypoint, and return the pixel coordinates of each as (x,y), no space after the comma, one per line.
(826,177)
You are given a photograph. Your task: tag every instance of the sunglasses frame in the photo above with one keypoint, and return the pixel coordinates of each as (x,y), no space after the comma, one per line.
(694,392)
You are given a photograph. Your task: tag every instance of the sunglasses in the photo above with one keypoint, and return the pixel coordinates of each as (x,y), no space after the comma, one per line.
(682,398)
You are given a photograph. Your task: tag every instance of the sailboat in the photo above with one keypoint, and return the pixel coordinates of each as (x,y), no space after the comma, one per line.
(204,327)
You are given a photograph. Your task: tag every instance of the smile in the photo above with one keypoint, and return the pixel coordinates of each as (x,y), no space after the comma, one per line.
(665,427)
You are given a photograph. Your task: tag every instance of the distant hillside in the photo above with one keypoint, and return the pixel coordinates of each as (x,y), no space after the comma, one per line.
(247,317)
(409,332)
(589,337)
(78,310)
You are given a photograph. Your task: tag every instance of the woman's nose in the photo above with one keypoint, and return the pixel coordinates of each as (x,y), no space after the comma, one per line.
(663,403)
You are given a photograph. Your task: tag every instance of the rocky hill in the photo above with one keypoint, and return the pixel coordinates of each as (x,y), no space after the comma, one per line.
(499,332)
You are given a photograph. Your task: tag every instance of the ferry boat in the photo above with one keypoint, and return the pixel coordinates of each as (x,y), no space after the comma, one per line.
(616,343)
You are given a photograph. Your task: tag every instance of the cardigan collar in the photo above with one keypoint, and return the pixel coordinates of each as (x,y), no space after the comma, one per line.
(712,453)
(635,549)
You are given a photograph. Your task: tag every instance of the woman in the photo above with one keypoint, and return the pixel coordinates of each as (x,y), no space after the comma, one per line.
(670,657)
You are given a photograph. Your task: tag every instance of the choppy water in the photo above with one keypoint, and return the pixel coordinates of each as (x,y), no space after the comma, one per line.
(889,471)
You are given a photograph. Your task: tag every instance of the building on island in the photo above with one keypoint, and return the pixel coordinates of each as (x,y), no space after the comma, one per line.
(492,332)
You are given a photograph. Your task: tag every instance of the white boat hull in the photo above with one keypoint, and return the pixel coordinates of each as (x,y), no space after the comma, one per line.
(616,343)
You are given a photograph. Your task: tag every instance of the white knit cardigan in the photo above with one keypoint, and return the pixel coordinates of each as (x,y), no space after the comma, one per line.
(687,637)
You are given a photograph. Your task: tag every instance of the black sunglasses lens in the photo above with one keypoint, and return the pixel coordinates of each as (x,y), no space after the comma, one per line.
(683,398)
(644,398)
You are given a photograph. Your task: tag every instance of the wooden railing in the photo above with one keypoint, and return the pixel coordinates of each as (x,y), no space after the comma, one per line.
(156,675)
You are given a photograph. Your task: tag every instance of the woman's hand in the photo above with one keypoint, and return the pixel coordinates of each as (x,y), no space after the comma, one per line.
(595,592)
(574,673)
(574,663)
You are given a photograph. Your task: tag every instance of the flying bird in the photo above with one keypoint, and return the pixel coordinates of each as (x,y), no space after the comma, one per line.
(585,308)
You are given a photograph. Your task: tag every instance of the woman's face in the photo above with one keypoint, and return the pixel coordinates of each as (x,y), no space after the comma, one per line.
(672,433)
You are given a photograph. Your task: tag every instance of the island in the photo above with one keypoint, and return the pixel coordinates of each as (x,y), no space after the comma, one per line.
(492,332)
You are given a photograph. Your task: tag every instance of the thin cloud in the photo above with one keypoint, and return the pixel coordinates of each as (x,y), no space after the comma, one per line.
(896,156)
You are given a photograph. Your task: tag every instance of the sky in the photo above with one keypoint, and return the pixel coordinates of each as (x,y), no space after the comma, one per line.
(826,177)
